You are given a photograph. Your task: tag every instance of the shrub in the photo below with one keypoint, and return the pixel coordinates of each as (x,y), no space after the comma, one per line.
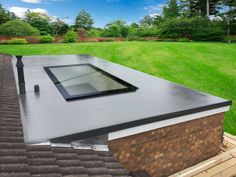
(15,41)
(159,40)
(33,39)
(206,30)
(230,39)
(197,28)
(169,40)
(175,28)
(141,39)
(3,42)
(109,40)
(132,38)
(47,39)
(183,40)
(82,34)
(144,31)
(101,40)
(18,28)
(70,36)
(94,33)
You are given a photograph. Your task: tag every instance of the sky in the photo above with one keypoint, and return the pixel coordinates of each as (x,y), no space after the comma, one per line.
(102,11)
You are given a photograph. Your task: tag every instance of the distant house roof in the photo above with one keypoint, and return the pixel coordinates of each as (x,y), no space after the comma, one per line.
(18,159)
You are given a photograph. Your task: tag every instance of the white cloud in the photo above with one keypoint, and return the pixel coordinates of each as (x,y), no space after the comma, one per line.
(154,8)
(20,11)
(32,1)
(42,1)
(154,15)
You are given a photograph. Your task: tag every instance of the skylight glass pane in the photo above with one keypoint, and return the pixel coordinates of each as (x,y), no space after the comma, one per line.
(86,80)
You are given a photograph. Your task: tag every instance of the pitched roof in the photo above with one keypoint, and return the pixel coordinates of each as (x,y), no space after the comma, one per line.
(24,160)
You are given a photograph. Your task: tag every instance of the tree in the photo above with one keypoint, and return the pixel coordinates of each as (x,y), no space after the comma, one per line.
(6,16)
(29,16)
(70,36)
(196,28)
(158,19)
(39,21)
(171,10)
(93,32)
(147,21)
(117,28)
(84,20)
(199,7)
(133,30)
(229,14)
(82,33)
(59,26)
(18,28)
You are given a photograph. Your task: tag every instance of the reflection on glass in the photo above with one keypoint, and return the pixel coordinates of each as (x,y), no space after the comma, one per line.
(86,79)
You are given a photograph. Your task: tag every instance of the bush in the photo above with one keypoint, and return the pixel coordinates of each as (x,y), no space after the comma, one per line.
(141,39)
(33,39)
(230,39)
(132,38)
(47,39)
(15,41)
(169,40)
(159,40)
(109,40)
(197,28)
(70,36)
(94,33)
(145,31)
(183,40)
(206,30)
(18,28)
(176,28)
(101,40)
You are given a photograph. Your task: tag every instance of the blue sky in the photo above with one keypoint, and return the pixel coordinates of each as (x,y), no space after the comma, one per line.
(102,11)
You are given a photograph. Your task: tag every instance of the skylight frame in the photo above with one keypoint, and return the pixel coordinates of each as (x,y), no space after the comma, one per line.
(128,87)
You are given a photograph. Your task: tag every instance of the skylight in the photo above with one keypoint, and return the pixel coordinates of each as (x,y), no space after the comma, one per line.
(85,80)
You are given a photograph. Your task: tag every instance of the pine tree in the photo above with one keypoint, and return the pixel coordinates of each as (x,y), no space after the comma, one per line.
(171,10)
(84,20)
(199,7)
(147,21)
(229,14)
(5,15)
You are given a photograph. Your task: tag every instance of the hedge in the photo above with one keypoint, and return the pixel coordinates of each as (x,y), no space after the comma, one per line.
(18,28)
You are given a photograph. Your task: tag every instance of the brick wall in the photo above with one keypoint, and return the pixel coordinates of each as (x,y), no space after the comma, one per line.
(167,150)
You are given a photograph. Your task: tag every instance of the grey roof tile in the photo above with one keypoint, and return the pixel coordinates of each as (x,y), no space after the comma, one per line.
(4,168)
(72,170)
(43,169)
(13,159)
(42,161)
(19,174)
(12,152)
(113,165)
(12,145)
(65,156)
(47,175)
(40,154)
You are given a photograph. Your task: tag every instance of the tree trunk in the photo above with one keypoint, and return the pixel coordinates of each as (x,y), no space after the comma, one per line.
(207,8)
(229,23)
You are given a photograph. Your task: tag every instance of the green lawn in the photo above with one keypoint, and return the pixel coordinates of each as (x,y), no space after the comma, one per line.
(208,67)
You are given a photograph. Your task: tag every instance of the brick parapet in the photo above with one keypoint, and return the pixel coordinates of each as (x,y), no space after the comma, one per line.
(167,150)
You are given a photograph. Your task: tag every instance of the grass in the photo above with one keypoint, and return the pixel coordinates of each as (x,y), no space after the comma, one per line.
(208,67)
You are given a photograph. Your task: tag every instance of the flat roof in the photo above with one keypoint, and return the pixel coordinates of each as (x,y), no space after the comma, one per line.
(48,116)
